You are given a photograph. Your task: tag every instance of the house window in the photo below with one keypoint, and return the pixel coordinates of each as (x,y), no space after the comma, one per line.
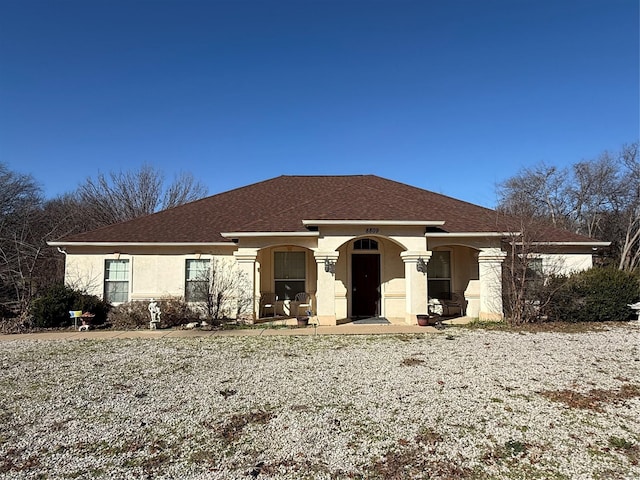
(289,274)
(534,268)
(534,273)
(365,244)
(439,275)
(116,281)
(197,280)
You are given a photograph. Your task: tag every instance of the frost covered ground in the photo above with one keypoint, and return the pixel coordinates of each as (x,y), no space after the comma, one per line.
(461,404)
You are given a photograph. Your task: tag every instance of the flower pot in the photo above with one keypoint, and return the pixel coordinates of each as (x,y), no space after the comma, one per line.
(303,322)
(425,320)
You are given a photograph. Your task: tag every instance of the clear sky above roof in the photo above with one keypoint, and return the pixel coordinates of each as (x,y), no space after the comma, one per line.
(451,96)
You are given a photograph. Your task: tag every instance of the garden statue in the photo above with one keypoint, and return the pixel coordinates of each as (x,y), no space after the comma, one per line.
(154,310)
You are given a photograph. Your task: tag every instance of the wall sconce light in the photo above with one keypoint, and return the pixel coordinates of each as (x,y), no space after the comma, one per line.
(329,266)
(421,265)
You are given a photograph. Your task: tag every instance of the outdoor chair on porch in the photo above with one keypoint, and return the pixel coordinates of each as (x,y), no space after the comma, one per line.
(268,301)
(454,306)
(303,304)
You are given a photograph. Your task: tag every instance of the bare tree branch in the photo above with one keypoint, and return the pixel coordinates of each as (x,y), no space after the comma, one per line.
(599,198)
(121,196)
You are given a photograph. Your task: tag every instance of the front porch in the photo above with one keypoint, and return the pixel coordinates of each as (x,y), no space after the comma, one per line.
(350,278)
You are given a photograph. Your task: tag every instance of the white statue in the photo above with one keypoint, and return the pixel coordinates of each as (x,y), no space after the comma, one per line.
(154,310)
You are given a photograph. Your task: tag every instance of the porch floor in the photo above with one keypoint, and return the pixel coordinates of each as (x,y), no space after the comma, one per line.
(283,321)
(371,321)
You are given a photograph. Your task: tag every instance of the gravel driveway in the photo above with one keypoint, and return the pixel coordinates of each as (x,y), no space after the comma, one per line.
(462,404)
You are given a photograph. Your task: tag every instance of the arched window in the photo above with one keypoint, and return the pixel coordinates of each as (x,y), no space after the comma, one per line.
(365,244)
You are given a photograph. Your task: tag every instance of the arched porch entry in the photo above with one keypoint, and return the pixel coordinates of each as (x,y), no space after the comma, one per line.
(475,271)
(284,271)
(450,271)
(370,279)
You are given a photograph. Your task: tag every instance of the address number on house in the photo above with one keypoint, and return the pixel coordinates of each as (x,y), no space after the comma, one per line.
(372,230)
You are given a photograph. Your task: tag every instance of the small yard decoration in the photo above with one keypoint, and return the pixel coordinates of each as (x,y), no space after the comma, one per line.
(154,311)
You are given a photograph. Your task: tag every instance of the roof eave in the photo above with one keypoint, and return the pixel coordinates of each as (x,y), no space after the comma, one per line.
(572,244)
(409,223)
(138,244)
(232,235)
(470,234)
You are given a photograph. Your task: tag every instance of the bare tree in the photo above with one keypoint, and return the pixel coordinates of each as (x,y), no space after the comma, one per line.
(630,252)
(599,198)
(121,196)
(21,240)
(224,289)
(526,271)
(595,190)
(538,192)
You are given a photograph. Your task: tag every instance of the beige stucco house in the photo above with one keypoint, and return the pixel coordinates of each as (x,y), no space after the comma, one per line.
(361,245)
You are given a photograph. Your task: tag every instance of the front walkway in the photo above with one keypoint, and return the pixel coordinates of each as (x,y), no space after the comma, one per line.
(346,329)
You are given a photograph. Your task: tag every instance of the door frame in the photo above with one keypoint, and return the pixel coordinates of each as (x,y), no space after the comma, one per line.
(379,307)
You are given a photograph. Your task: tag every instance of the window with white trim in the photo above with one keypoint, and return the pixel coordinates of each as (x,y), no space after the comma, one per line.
(289,274)
(439,275)
(197,277)
(116,281)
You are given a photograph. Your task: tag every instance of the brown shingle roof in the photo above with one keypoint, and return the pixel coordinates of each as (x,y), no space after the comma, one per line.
(280,204)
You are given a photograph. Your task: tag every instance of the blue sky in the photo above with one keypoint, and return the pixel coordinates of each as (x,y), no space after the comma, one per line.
(452,96)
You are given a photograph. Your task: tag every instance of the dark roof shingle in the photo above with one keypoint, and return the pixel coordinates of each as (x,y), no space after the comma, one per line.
(280,204)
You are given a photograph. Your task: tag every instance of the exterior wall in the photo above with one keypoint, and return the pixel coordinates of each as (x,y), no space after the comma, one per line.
(86,272)
(151,275)
(566,263)
(475,262)
(341,283)
(393,284)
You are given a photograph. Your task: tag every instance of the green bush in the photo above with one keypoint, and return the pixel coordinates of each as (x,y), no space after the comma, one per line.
(595,295)
(51,309)
(133,315)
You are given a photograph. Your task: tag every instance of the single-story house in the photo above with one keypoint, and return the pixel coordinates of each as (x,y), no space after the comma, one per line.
(360,245)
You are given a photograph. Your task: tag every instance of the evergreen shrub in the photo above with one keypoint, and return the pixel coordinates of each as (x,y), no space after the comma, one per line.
(51,309)
(595,295)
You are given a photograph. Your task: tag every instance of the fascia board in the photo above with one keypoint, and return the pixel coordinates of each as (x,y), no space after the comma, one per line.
(268,234)
(572,244)
(410,223)
(139,244)
(470,234)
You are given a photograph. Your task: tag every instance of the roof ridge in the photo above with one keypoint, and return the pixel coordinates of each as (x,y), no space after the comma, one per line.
(328,176)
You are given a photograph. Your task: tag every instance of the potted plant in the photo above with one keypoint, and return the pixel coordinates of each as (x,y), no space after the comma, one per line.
(303,321)
(432,318)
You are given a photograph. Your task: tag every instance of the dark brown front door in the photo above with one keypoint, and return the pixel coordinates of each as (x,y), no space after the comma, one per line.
(365,283)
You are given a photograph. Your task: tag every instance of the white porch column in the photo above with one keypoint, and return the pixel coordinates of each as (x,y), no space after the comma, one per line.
(490,269)
(325,292)
(415,285)
(246,259)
